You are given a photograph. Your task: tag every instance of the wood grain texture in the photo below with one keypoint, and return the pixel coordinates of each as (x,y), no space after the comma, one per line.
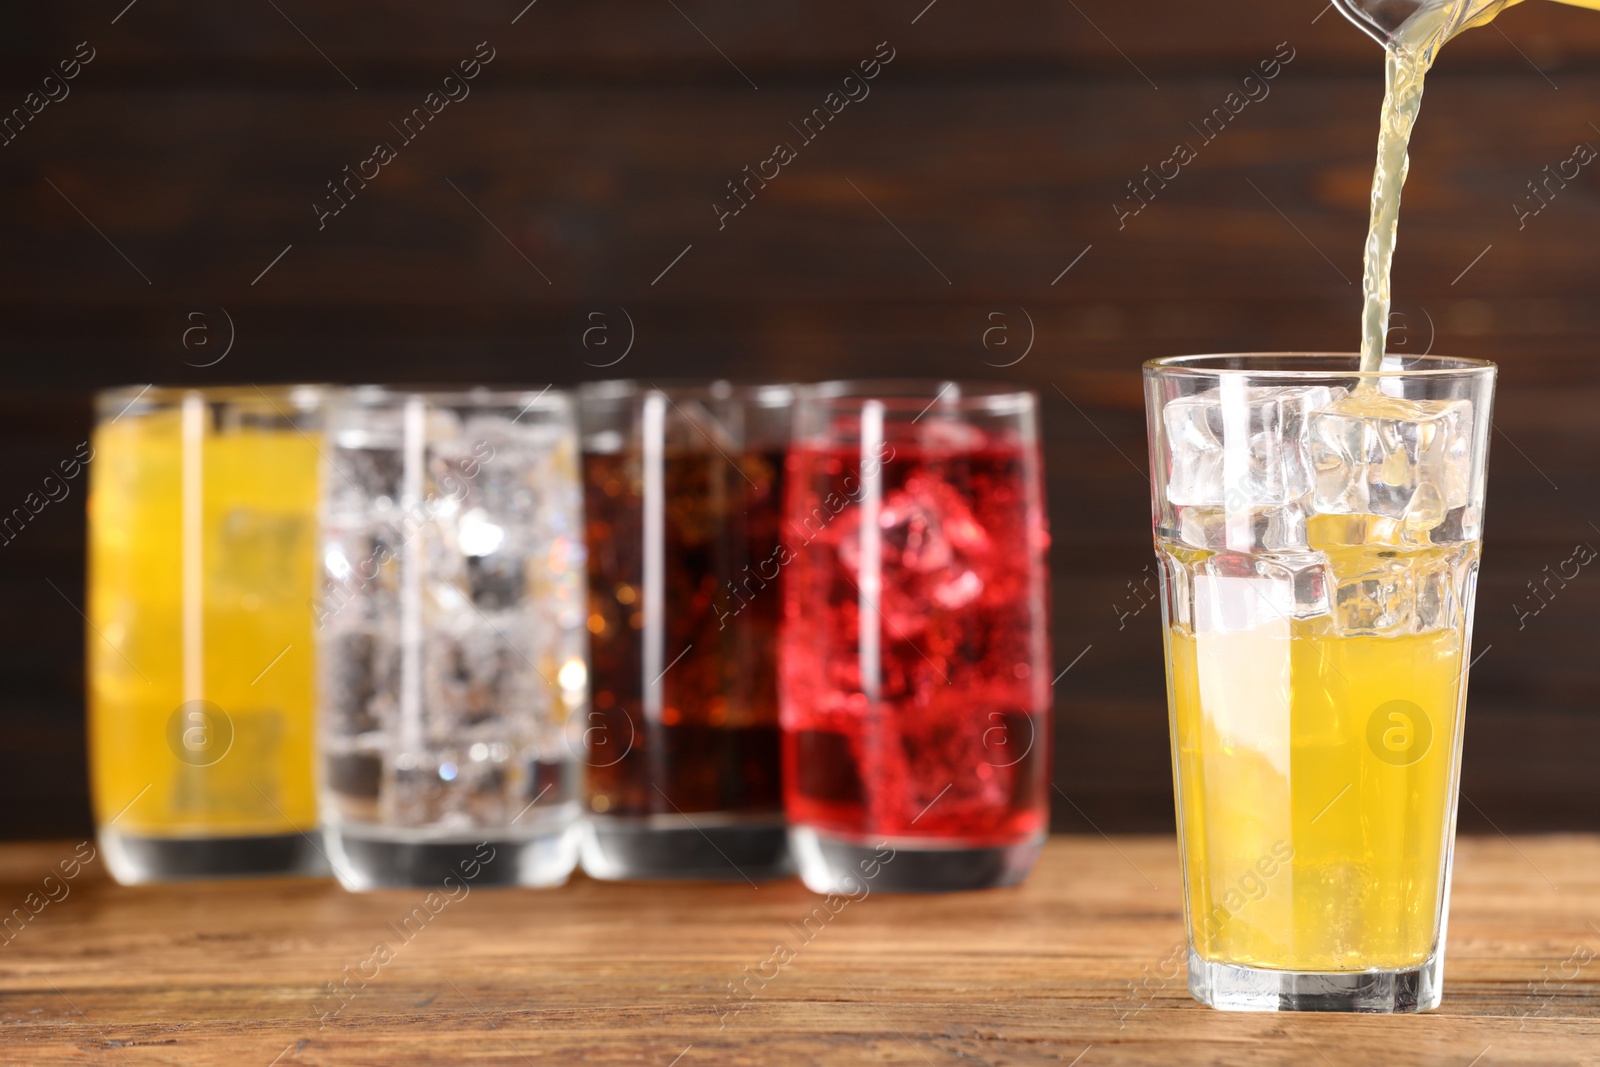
(1081,957)
(995,143)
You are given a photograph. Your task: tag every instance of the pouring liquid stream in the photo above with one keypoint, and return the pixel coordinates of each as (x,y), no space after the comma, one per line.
(1410,53)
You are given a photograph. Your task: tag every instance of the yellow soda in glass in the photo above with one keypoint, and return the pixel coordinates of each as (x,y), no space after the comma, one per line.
(202,540)
(1326,852)
(1319,529)
(1314,764)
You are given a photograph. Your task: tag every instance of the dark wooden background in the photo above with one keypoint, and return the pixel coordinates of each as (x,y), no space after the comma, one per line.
(588,156)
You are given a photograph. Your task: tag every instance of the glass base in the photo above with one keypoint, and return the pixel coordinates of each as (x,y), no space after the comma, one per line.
(134,859)
(830,864)
(1231,988)
(366,857)
(709,847)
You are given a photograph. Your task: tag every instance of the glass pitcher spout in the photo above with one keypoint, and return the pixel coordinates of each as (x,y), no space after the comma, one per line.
(1383,20)
(1433,21)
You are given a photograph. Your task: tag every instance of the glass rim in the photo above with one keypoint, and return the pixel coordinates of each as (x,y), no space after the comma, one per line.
(121,399)
(548,398)
(718,389)
(1333,364)
(920,394)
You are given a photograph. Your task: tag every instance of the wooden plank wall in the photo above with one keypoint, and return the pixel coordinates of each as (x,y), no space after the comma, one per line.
(181,168)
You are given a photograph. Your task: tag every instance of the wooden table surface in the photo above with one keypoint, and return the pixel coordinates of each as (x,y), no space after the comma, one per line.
(1079,966)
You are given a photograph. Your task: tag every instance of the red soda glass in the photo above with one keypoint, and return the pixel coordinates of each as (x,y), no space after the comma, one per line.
(914,664)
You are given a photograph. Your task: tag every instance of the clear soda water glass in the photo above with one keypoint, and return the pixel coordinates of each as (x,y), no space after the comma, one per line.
(451,636)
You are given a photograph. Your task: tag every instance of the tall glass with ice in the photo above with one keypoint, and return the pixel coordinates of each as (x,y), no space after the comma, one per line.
(1318,530)
(914,657)
(450,637)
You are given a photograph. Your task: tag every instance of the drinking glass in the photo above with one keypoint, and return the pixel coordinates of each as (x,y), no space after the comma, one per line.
(914,652)
(202,541)
(1318,531)
(451,636)
(683,489)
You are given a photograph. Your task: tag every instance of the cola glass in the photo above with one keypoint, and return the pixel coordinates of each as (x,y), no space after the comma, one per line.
(683,484)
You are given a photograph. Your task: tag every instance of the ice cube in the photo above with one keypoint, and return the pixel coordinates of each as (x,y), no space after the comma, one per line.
(471,677)
(1439,596)
(480,559)
(1376,600)
(932,548)
(445,789)
(354,773)
(1307,573)
(490,586)
(361,571)
(496,581)
(1397,592)
(938,435)
(1240,446)
(359,671)
(1460,525)
(1409,460)
(1237,592)
(366,474)
(1269,529)
(507,467)
(1331,533)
